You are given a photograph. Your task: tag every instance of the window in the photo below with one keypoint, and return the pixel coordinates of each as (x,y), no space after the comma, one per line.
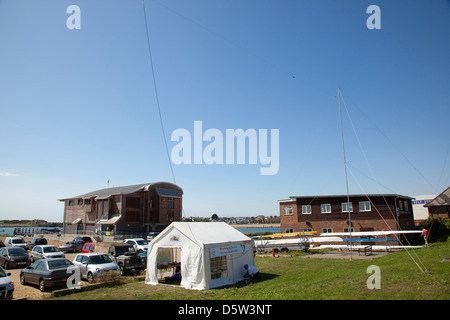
(288,211)
(325,208)
(349,229)
(400,205)
(170,203)
(327,230)
(219,267)
(289,230)
(133,202)
(364,206)
(306,209)
(406,206)
(80,202)
(70,203)
(347,207)
(306,230)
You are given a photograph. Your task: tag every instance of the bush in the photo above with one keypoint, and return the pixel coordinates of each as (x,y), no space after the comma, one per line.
(438,228)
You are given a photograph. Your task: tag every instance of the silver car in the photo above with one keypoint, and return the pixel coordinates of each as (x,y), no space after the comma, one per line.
(94,264)
(45,252)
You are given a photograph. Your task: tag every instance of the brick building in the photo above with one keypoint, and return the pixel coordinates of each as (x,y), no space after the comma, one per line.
(326,214)
(123,210)
(439,207)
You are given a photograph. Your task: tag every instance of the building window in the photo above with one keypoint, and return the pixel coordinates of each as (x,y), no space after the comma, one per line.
(80,202)
(288,211)
(306,209)
(306,230)
(325,208)
(406,206)
(347,207)
(219,267)
(87,201)
(327,230)
(70,203)
(133,202)
(349,229)
(170,203)
(289,230)
(364,206)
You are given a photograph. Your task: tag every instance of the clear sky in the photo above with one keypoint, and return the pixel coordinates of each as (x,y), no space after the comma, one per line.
(78,107)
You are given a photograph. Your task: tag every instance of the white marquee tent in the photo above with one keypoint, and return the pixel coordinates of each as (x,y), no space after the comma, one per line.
(210,254)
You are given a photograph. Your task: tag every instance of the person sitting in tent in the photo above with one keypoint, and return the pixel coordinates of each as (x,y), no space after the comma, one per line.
(251,273)
(175,277)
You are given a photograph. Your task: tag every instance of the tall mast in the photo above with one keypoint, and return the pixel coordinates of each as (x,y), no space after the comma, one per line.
(346,179)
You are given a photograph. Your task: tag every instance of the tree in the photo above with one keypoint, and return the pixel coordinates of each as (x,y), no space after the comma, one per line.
(214,217)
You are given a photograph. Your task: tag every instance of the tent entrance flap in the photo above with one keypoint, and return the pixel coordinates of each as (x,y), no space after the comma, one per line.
(168,264)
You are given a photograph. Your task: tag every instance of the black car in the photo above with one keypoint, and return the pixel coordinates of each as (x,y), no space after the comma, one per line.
(83,240)
(11,257)
(36,242)
(47,273)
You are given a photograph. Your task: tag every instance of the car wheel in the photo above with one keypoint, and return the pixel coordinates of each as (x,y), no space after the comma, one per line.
(90,277)
(22,279)
(42,286)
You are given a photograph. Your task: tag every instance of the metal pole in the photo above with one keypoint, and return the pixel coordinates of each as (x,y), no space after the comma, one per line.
(346,179)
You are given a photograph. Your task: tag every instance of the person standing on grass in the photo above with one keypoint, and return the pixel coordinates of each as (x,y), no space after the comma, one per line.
(425,236)
(251,273)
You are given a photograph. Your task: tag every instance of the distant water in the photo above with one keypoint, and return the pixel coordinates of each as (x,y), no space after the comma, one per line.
(9,231)
(259,230)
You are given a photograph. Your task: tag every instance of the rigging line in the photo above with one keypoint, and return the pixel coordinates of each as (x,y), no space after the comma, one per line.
(384,198)
(443,166)
(156,92)
(395,147)
(395,235)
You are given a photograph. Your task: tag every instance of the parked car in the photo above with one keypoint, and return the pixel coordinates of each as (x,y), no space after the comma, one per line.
(6,285)
(139,244)
(88,247)
(151,236)
(71,246)
(47,273)
(36,242)
(143,256)
(45,252)
(83,239)
(11,257)
(15,242)
(94,264)
(2,244)
(126,257)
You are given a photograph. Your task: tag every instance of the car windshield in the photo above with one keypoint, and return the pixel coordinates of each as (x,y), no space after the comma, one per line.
(100,259)
(16,251)
(60,263)
(122,249)
(51,249)
(141,242)
(17,241)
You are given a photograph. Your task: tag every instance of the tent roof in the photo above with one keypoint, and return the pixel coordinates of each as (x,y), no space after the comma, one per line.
(210,232)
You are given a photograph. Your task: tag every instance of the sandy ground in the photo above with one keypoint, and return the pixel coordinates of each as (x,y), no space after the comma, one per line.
(32,292)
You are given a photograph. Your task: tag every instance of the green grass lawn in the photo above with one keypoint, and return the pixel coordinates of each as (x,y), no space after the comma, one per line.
(301,277)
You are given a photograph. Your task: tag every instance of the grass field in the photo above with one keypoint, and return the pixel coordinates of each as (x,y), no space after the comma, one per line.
(302,277)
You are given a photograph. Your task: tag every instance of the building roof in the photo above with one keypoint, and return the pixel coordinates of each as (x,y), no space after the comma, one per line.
(344,196)
(108,192)
(441,200)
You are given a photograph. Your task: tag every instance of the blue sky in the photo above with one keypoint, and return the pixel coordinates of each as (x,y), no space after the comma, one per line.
(78,107)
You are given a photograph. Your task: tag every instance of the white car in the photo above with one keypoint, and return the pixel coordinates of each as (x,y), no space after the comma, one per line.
(94,264)
(45,252)
(6,285)
(15,242)
(139,244)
